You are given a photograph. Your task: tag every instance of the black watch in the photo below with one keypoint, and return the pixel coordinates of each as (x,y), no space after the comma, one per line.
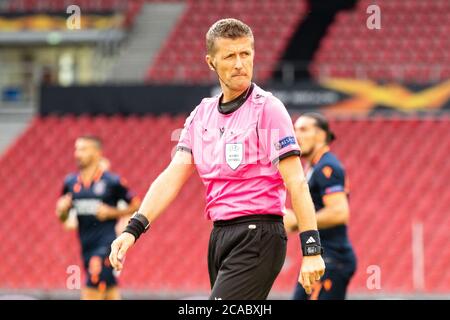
(312,250)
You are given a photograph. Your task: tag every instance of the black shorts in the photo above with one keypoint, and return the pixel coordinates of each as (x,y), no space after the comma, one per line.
(99,272)
(245,256)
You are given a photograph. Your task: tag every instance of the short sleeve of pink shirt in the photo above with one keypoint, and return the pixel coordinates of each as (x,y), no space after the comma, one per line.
(186,138)
(276,132)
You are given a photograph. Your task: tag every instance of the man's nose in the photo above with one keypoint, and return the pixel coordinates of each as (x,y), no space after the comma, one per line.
(238,64)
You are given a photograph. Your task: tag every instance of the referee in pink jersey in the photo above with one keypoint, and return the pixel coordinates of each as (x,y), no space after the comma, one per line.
(243,145)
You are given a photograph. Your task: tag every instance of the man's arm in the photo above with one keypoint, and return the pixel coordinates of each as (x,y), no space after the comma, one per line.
(313,267)
(106,212)
(160,194)
(63,206)
(64,212)
(71,222)
(292,173)
(335,212)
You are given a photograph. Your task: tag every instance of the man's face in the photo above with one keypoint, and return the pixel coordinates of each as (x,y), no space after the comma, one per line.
(233,61)
(308,135)
(86,152)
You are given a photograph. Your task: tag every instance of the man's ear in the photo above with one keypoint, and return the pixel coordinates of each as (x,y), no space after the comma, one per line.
(210,62)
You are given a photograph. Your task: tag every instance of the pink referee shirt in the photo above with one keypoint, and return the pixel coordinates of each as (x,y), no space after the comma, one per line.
(236,154)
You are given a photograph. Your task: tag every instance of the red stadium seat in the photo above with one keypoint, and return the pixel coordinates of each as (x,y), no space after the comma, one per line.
(407,47)
(189,32)
(392,179)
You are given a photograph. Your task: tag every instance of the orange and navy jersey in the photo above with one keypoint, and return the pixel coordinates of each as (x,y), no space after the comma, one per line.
(325,177)
(105,187)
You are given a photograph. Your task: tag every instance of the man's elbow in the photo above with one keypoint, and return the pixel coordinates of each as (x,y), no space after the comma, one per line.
(135,204)
(342,216)
(298,184)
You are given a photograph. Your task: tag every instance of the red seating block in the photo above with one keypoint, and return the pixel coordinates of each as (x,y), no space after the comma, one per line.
(188,36)
(409,46)
(393,183)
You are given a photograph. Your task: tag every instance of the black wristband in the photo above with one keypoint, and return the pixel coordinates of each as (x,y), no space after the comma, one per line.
(310,242)
(137,225)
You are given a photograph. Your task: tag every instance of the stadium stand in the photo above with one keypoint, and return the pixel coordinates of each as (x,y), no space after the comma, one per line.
(398,166)
(390,190)
(49,7)
(412,44)
(181,59)
(21,6)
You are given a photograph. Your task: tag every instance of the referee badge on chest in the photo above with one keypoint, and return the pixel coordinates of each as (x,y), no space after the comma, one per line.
(234,153)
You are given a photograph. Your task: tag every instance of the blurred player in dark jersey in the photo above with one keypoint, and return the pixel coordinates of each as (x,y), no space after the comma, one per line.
(329,191)
(93,194)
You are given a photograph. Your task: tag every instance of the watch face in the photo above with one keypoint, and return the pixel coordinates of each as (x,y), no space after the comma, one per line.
(312,250)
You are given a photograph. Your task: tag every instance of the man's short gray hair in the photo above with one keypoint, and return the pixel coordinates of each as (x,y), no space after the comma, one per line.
(227,28)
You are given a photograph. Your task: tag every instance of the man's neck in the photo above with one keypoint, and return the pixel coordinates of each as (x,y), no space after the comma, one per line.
(88,172)
(228,95)
(318,152)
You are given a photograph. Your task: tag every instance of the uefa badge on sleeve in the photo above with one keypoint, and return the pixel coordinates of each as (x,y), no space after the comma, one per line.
(234,153)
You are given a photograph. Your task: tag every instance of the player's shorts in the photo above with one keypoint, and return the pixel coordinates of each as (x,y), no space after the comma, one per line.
(99,272)
(332,286)
(245,256)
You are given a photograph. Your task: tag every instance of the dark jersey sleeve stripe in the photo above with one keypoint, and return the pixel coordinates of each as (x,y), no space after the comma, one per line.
(286,155)
(181,148)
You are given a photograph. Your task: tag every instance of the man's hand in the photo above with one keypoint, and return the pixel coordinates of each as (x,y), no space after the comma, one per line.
(313,268)
(119,248)
(105,212)
(63,206)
